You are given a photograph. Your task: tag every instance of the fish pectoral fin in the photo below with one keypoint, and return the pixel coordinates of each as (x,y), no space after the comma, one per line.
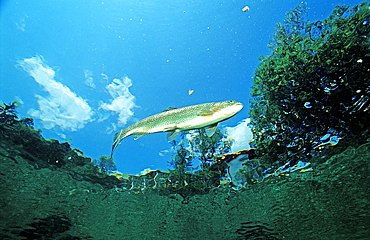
(211,129)
(205,113)
(216,109)
(171,127)
(171,135)
(139,135)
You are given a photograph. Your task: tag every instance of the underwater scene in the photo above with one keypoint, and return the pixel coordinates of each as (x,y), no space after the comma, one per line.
(185,119)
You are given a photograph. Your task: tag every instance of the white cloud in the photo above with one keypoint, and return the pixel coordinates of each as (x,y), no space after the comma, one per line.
(123,101)
(21,24)
(104,77)
(62,108)
(241,134)
(89,81)
(112,128)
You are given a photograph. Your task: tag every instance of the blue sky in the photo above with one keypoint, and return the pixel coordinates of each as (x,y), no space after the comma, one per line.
(86,69)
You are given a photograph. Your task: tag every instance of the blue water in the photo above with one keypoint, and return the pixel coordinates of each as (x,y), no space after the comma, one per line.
(165,48)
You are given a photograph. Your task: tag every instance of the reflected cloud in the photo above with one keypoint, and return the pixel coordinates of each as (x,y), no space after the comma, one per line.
(21,24)
(123,101)
(241,134)
(89,81)
(62,108)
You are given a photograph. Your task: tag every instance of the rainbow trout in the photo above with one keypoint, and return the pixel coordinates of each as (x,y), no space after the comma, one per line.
(206,115)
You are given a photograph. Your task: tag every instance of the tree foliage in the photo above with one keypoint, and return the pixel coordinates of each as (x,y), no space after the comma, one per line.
(315,82)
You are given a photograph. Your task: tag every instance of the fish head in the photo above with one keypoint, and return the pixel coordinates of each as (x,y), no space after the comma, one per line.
(229,108)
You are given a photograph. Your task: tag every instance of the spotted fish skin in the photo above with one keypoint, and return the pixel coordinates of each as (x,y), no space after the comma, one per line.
(180,119)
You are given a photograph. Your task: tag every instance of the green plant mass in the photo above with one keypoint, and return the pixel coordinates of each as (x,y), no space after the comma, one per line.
(105,164)
(8,114)
(195,146)
(314,88)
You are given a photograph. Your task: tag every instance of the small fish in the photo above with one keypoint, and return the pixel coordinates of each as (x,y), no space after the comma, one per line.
(206,115)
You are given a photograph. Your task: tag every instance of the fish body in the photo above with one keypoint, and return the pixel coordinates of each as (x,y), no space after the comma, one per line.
(181,119)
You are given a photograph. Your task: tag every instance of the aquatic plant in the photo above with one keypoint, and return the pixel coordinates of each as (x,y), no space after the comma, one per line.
(8,114)
(195,150)
(196,169)
(105,164)
(314,88)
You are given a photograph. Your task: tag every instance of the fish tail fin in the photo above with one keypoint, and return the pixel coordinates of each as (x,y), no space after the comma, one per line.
(118,137)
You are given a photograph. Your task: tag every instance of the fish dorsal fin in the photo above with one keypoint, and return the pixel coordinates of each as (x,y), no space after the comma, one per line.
(211,129)
(205,113)
(139,135)
(169,109)
(171,135)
